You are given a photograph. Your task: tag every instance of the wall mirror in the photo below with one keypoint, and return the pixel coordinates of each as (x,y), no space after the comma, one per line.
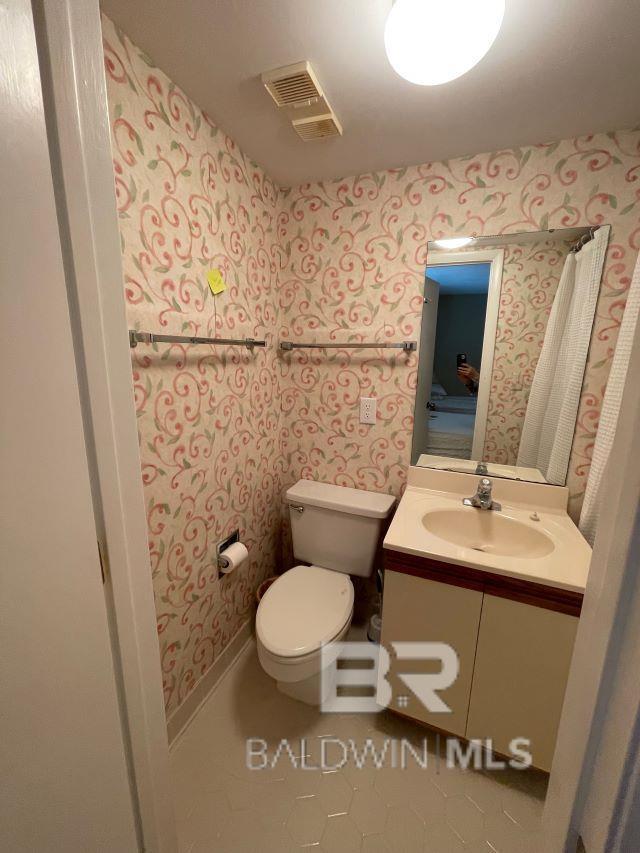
(506,326)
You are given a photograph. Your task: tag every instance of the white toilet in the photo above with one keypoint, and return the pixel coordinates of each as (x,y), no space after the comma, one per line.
(336,529)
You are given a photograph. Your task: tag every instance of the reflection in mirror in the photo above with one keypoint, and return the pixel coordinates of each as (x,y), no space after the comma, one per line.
(506,326)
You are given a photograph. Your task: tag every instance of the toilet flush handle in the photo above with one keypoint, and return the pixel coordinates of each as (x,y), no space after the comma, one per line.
(299,509)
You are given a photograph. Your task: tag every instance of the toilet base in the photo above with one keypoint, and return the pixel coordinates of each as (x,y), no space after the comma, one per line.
(304,680)
(313,690)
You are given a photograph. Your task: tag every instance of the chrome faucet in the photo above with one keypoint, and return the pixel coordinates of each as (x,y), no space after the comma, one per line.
(482,498)
(481,469)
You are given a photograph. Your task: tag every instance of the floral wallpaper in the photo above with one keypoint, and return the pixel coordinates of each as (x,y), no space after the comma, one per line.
(209,417)
(356,252)
(530,278)
(223,431)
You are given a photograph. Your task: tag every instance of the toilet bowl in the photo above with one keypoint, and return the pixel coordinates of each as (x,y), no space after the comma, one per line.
(309,608)
(306,610)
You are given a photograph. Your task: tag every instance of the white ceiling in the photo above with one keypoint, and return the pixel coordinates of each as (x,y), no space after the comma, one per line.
(557,69)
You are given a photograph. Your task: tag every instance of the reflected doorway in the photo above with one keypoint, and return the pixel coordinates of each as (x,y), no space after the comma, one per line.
(457,342)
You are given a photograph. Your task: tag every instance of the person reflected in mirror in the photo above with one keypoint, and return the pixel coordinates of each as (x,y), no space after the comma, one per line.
(470,378)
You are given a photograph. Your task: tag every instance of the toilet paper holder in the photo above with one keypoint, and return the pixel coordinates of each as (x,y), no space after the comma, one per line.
(223,544)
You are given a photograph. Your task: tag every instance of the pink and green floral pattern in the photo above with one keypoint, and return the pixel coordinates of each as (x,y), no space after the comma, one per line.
(223,431)
(209,418)
(356,251)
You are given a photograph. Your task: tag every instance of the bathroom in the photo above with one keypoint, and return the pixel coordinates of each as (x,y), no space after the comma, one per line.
(347,468)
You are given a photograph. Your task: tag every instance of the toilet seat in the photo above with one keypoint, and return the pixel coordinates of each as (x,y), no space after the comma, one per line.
(306,608)
(292,670)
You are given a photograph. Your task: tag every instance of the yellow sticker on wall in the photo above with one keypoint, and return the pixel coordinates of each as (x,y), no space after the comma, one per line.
(216,282)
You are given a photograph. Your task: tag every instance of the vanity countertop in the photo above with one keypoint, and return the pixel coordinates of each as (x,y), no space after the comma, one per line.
(531,513)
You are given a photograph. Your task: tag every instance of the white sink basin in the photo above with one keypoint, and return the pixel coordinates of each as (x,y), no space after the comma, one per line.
(488,531)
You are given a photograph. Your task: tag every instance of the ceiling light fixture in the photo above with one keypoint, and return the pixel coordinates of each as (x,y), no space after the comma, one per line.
(430,42)
(453,242)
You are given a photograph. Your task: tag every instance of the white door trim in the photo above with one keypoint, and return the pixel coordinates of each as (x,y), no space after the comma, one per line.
(79,135)
(420,438)
(496,258)
(65,781)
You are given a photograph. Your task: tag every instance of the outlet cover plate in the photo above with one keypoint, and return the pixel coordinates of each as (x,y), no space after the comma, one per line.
(368,410)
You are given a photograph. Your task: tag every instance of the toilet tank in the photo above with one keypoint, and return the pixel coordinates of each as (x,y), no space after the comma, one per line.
(336,527)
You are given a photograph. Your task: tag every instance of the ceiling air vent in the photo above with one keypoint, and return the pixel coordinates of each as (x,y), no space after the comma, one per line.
(317,127)
(292,85)
(296,89)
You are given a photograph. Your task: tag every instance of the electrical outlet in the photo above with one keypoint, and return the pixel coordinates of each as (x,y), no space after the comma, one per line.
(368,410)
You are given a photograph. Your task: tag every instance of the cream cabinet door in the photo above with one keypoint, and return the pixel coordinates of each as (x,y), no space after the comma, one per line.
(417,609)
(522,665)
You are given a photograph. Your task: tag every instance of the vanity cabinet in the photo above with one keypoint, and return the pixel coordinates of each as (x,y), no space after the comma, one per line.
(417,609)
(520,674)
(514,640)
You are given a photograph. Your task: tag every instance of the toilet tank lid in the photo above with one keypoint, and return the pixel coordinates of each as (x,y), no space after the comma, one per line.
(341,498)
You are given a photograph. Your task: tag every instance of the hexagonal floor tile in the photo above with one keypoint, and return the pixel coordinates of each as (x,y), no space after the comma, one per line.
(273,803)
(479,847)
(334,793)
(464,818)
(238,835)
(359,777)
(277,840)
(340,835)
(504,834)
(393,785)
(439,838)
(304,783)
(239,793)
(452,780)
(404,832)
(485,792)
(307,821)
(207,820)
(234,761)
(523,809)
(368,811)
(224,806)
(428,801)
(375,844)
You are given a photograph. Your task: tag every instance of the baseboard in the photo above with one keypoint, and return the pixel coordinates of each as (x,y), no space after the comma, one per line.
(182,716)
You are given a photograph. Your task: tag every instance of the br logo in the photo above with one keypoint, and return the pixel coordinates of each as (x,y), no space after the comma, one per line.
(350,670)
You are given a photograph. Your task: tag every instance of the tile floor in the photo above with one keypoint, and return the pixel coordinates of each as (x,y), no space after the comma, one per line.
(224,807)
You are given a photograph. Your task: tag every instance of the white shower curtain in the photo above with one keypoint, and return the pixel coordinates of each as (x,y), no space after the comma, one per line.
(610,407)
(549,424)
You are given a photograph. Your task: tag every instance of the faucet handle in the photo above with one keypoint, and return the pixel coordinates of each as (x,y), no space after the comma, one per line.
(482,498)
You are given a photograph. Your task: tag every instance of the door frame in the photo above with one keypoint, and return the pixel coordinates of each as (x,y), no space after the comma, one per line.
(496,258)
(67,778)
(425,360)
(69,38)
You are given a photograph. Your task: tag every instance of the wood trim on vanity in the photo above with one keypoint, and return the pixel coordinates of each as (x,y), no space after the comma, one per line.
(526,592)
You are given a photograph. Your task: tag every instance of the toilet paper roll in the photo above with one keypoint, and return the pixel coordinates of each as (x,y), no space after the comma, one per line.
(232,557)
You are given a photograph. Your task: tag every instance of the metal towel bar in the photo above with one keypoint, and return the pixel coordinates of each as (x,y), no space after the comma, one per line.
(407,346)
(136,338)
